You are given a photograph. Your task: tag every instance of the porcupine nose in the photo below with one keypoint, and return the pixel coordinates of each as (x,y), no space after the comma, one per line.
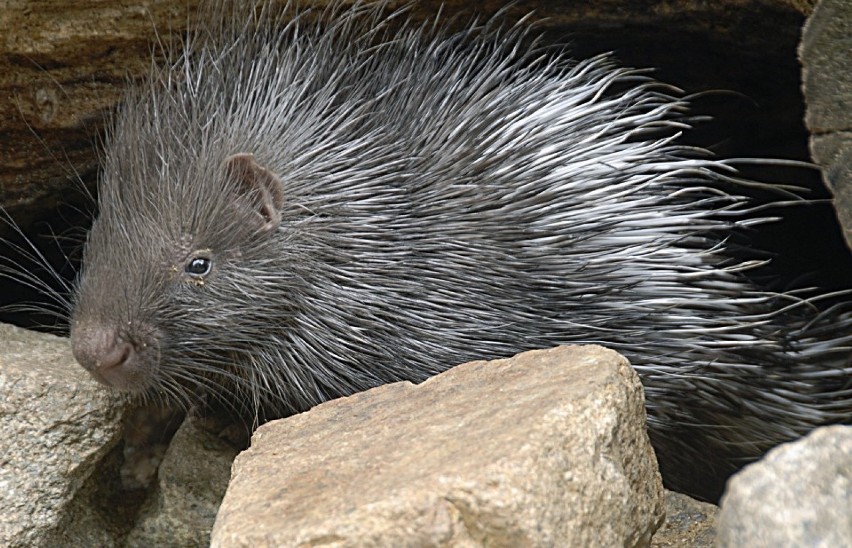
(109,358)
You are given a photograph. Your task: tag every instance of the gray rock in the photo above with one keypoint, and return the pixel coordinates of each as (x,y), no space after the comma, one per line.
(799,494)
(689,522)
(548,448)
(56,428)
(192,479)
(826,56)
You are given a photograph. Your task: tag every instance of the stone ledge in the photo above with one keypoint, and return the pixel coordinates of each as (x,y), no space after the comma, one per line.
(546,448)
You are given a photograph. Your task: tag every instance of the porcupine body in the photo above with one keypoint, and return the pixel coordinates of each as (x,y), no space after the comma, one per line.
(292,212)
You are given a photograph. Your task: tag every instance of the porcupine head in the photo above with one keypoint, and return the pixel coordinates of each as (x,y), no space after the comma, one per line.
(224,261)
(167,281)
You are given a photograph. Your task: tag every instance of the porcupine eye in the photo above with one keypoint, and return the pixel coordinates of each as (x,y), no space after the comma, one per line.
(198,266)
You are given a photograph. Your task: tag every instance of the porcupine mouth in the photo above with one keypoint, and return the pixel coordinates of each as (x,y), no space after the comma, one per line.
(132,374)
(114,358)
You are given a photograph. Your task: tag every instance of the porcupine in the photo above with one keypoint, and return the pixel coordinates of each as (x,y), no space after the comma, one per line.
(292,211)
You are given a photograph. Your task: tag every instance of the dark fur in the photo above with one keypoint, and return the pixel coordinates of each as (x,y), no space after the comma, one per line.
(378,206)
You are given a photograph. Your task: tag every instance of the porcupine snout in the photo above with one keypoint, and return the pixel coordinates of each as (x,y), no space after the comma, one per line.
(111,357)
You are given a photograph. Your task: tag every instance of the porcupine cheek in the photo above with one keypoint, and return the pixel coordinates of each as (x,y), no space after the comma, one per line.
(112,358)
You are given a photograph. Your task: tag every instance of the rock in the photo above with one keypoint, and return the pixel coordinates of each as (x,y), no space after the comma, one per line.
(62,71)
(799,494)
(58,431)
(826,55)
(192,480)
(689,522)
(548,448)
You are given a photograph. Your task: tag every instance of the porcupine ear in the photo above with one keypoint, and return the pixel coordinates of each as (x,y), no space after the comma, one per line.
(258,189)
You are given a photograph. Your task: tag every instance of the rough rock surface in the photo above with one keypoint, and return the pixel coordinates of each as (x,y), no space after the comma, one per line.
(826,56)
(548,448)
(689,522)
(192,479)
(63,67)
(56,428)
(799,494)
